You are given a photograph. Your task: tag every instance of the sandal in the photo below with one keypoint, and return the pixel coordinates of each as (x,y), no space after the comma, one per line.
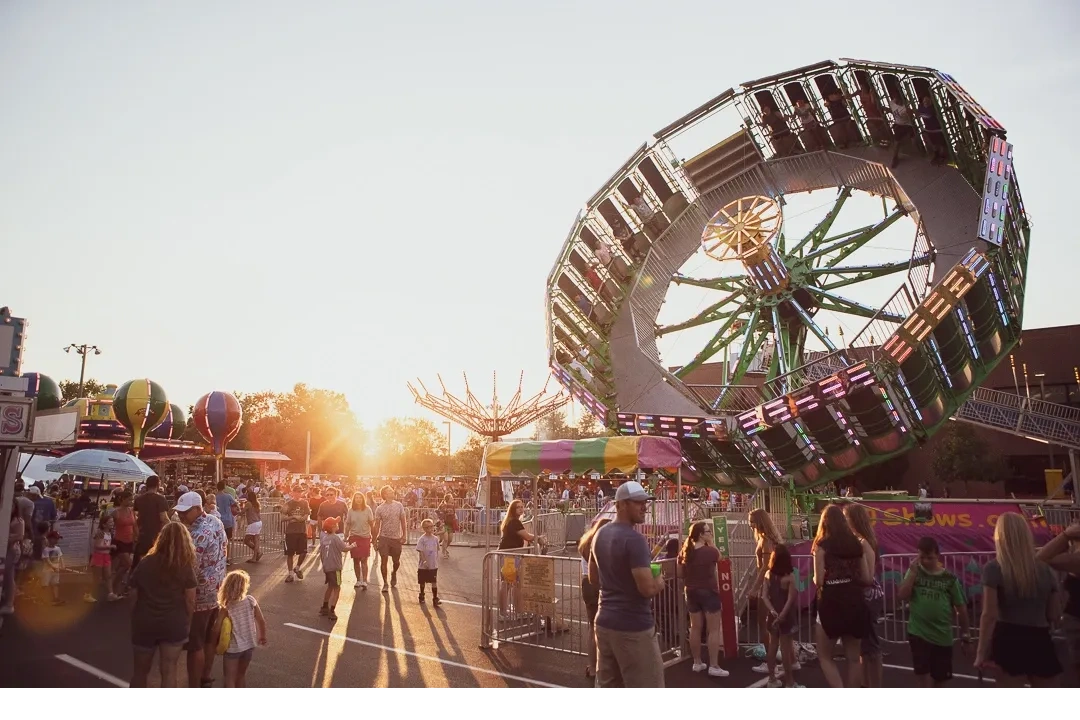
(207,683)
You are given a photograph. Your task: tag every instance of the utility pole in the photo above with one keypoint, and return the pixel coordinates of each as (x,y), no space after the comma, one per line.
(83,350)
(448,456)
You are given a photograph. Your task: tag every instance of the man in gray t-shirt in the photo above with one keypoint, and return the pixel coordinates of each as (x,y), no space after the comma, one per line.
(628,654)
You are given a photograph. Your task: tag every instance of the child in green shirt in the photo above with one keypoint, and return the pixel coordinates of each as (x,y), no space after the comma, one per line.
(934,595)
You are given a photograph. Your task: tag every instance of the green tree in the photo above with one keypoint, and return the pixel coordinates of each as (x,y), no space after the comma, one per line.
(961,454)
(69,389)
(257,408)
(467,459)
(589,427)
(409,446)
(554,427)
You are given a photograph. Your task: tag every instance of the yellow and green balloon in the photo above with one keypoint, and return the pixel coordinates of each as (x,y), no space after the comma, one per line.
(140,406)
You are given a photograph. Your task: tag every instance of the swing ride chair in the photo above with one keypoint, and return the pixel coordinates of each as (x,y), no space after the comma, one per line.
(777,411)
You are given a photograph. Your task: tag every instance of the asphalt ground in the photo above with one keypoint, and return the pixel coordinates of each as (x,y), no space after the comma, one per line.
(378,640)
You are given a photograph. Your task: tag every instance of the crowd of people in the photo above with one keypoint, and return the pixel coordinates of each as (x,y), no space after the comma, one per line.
(1022,601)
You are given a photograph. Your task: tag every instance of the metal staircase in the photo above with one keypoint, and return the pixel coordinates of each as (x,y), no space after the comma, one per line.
(1018,415)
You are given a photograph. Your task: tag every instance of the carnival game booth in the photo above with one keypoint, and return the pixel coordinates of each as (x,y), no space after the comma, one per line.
(534,599)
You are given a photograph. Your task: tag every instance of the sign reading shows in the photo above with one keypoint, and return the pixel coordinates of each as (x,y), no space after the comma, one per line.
(538,585)
(16,420)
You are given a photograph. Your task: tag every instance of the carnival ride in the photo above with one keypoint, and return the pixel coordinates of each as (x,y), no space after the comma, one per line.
(790,404)
(492,421)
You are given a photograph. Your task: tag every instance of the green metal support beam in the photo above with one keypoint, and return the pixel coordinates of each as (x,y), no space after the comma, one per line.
(817,236)
(728,284)
(710,314)
(858,273)
(720,340)
(849,245)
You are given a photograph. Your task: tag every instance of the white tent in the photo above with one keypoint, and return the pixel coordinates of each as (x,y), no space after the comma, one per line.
(35,468)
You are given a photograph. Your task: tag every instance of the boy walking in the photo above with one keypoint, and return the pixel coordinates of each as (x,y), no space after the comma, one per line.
(331,550)
(934,594)
(427,567)
(53,563)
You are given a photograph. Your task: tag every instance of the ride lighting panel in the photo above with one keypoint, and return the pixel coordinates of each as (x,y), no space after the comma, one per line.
(676,426)
(995,200)
(586,398)
(936,306)
(981,115)
(787,408)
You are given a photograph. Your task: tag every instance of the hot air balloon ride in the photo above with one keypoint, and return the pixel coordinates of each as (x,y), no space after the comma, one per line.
(140,406)
(218,417)
(44,390)
(173,426)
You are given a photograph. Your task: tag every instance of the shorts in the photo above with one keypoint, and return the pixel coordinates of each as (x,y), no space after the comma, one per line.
(704,600)
(241,655)
(123,548)
(1070,625)
(842,611)
(101,560)
(202,624)
(427,576)
(254,528)
(229,531)
(147,640)
(296,543)
(1024,650)
(333,578)
(930,659)
(390,547)
(362,551)
(49,578)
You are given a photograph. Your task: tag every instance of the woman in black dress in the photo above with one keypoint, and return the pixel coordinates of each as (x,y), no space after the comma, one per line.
(840,575)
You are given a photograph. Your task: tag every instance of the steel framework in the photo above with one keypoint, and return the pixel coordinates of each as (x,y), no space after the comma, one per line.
(493,420)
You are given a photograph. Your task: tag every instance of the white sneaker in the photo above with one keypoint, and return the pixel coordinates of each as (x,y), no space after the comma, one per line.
(698,667)
(718,672)
(363,584)
(795,666)
(7,610)
(774,684)
(358,585)
(763,668)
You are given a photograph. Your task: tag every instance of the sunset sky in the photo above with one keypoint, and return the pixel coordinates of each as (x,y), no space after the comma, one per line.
(247,195)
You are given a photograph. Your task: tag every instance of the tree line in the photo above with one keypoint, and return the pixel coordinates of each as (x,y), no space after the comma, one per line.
(342,445)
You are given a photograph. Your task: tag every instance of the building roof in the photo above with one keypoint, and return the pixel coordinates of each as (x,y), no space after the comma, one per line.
(258,455)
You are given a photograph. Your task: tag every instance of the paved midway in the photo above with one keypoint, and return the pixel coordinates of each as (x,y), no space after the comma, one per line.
(378,640)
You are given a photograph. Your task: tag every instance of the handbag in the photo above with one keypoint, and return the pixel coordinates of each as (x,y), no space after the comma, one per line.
(225,637)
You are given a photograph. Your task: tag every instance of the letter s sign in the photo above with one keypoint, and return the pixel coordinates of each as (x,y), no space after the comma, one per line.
(13,421)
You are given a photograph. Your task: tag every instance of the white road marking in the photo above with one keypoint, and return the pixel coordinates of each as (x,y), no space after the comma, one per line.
(419,656)
(99,674)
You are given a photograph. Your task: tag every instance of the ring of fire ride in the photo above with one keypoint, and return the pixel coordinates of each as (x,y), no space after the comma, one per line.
(788,402)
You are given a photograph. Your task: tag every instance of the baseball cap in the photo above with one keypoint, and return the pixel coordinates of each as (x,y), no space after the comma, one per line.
(187,501)
(182,489)
(53,535)
(34,490)
(329,524)
(631,491)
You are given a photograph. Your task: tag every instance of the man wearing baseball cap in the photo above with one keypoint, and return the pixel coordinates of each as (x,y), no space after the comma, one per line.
(208,536)
(628,654)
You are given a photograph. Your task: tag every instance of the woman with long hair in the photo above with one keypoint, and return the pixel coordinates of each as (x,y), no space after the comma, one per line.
(358,532)
(1063,554)
(124,540)
(514,536)
(766,537)
(697,563)
(253,515)
(840,575)
(1020,603)
(782,600)
(870,648)
(590,594)
(448,522)
(163,584)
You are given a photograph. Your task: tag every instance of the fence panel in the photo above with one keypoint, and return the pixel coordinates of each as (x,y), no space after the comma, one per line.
(271,537)
(536,600)
(967,567)
(472,523)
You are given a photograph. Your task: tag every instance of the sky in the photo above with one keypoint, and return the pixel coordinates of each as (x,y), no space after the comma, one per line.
(247,195)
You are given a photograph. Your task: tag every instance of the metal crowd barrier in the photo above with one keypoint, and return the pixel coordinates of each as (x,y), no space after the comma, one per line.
(893,612)
(271,537)
(535,600)
(552,525)
(472,524)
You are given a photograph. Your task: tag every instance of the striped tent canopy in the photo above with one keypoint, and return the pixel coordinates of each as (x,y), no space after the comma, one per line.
(602,455)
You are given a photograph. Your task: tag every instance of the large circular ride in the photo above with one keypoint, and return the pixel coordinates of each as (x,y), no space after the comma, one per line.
(769,395)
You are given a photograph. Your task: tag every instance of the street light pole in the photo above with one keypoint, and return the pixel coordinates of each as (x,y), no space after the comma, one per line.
(447,424)
(83,350)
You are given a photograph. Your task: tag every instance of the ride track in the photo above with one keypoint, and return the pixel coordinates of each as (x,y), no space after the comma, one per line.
(785,414)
